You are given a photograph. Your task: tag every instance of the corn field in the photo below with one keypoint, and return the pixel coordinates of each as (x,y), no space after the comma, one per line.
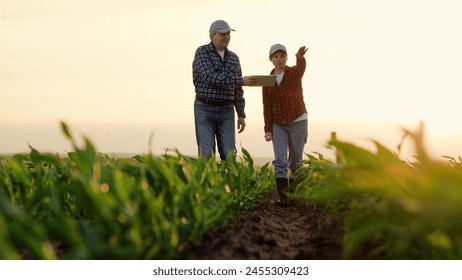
(91,206)
(88,205)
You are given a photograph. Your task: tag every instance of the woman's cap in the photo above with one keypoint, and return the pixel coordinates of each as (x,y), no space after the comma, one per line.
(277,47)
(220,26)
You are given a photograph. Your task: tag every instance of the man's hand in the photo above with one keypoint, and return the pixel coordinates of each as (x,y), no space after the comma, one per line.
(240,124)
(249,80)
(268,136)
(301,52)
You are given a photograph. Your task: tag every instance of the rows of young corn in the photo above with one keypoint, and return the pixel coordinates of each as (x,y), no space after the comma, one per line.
(400,209)
(91,206)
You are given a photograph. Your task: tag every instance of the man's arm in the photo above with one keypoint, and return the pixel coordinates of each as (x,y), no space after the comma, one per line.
(239,100)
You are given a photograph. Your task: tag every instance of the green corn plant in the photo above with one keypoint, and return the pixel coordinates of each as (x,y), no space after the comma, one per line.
(91,206)
(402,210)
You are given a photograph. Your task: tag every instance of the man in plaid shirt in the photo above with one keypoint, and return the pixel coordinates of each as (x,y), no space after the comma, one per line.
(286,119)
(218,82)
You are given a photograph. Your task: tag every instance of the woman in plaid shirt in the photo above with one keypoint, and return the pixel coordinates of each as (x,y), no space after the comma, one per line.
(286,118)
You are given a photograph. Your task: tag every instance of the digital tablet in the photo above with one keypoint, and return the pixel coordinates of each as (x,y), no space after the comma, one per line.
(264,80)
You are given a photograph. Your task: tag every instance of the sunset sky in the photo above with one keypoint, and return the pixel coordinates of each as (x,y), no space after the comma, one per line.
(118,71)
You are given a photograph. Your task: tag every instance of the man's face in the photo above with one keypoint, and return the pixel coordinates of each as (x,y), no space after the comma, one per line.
(220,40)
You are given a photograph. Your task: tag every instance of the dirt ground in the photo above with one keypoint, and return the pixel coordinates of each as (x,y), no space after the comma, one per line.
(270,232)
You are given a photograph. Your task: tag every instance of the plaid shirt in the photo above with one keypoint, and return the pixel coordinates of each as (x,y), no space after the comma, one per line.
(218,79)
(283,103)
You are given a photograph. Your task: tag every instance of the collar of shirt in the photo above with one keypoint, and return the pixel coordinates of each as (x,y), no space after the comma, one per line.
(212,48)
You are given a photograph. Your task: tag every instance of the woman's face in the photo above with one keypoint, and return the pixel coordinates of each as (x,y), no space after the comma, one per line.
(279,59)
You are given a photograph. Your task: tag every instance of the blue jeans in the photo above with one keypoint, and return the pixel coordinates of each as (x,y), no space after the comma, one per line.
(214,122)
(289,138)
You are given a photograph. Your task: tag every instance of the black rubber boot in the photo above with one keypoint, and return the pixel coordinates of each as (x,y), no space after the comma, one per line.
(282,184)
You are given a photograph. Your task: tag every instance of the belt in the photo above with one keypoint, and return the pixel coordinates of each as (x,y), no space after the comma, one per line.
(214,102)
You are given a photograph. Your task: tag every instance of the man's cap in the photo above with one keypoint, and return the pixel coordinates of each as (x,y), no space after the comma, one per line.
(277,47)
(220,26)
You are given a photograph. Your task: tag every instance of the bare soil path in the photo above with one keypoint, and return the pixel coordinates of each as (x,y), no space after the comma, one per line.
(271,232)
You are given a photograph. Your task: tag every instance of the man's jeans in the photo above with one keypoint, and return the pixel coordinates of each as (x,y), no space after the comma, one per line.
(214,121)
(292,138)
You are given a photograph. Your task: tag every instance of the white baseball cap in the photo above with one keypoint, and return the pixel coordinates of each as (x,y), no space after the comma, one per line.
(277,47)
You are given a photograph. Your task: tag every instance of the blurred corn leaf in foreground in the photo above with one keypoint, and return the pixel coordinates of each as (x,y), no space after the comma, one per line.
(399,209)
(91,206)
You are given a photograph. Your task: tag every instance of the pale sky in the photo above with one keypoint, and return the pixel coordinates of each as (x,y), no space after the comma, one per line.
(120,70)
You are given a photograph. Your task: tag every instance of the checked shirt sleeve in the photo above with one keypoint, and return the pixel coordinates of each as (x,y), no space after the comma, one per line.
(267,109)
(301,66)
(239,101)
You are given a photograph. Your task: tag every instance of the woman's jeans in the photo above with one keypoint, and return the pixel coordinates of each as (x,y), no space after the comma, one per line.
(214,122)
(289,138)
